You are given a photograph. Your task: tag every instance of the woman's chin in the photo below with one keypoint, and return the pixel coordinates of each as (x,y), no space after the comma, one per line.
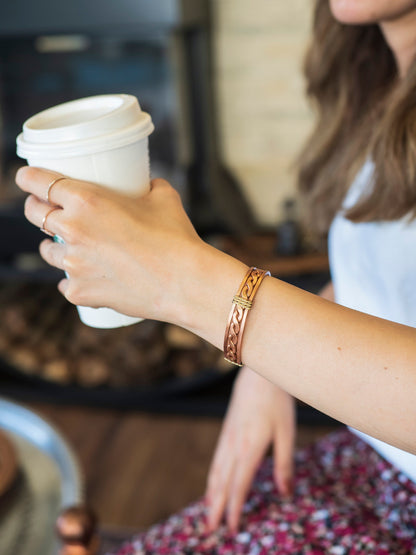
(352,12)
(366,12)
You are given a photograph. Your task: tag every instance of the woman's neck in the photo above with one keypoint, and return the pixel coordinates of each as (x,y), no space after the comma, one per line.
(400,35)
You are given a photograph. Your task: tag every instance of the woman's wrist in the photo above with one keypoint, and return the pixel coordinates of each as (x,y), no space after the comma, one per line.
(210,281)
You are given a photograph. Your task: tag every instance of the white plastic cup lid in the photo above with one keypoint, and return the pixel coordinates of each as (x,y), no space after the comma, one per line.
(84,126)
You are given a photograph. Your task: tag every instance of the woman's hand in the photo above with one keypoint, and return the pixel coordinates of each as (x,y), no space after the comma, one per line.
(123,252)
(260,414)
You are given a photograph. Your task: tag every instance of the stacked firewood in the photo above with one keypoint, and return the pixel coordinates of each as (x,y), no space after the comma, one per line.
(41,334)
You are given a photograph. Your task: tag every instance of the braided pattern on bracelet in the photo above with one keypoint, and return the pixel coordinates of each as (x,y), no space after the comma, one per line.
(230,349)
(242,303)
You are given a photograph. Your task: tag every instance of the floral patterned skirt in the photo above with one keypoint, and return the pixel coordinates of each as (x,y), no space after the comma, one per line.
(347,500)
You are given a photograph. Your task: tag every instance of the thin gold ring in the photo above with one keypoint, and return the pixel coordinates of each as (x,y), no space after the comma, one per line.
(45,217)
(51,184)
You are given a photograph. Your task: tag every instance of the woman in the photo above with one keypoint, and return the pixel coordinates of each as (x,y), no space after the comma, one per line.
(356,367)
(355,59)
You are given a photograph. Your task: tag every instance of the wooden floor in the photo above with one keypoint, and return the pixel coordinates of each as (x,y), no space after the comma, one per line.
(140,468)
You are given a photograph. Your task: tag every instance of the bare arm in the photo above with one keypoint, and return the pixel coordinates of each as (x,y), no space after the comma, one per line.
(143,257)
(357,368)
(327,292)
(260,413)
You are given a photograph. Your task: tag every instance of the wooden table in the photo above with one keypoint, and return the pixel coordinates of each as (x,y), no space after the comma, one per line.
(141,468)
(260,250)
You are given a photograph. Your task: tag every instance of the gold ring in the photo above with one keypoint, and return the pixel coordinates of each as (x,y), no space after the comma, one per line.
(51,184)
(43,228)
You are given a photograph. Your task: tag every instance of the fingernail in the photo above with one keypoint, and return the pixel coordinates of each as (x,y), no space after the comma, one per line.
(232,524)
(288,488)
(212,525)
(210,519)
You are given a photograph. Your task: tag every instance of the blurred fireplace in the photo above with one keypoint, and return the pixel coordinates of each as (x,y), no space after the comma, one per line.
(51,52)
(160,51)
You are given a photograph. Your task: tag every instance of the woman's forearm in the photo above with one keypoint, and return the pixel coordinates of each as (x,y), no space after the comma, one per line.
(327,292)
(143,257)
(357,368)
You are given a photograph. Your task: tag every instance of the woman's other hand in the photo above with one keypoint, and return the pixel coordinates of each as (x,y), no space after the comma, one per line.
(260,414)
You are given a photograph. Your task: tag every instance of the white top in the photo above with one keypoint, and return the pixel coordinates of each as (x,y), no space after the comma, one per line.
(373,268)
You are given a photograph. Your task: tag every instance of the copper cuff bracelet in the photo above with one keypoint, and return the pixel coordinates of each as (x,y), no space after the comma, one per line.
(242,303)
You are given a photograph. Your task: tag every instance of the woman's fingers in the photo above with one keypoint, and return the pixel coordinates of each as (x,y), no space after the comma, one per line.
(244,471)
(53,253)
(217,490)
(216,507)
(235,463)
(283,466)
(63,286)
(259,413)
(284,444)
(219,478)
(42,215)
(47,185)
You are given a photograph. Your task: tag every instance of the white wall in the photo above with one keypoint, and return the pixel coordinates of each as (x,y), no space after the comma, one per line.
(263,114)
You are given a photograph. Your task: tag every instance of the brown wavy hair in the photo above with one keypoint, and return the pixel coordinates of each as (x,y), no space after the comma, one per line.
(363,109)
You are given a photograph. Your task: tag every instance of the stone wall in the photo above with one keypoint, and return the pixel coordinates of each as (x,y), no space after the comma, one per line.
(264,119)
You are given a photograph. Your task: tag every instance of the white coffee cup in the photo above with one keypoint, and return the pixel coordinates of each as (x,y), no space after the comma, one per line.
(102,139)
